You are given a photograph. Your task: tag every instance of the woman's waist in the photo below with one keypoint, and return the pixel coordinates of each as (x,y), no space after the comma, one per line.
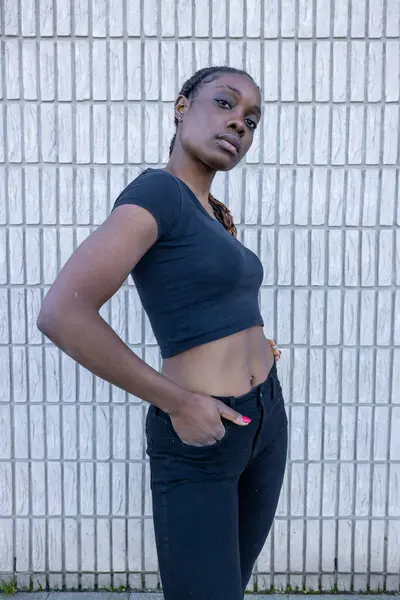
(229,366)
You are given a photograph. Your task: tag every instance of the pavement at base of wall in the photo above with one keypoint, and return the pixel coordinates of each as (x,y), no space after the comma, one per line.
(158,596)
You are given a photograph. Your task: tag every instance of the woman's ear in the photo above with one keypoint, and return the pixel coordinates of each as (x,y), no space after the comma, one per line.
(180,106)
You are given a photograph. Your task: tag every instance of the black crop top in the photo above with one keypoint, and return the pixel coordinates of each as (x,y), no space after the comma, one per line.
(197,283)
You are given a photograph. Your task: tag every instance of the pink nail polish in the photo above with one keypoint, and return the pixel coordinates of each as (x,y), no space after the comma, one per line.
(246,420)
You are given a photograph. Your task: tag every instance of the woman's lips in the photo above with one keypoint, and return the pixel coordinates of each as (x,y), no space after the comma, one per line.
(228,146)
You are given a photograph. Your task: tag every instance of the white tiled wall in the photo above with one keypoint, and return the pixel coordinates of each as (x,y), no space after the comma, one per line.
(87,102)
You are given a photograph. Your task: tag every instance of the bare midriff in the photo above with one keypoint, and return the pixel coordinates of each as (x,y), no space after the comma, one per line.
(230,366)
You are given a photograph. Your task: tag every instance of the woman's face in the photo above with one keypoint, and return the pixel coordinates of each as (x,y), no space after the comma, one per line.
(218,125)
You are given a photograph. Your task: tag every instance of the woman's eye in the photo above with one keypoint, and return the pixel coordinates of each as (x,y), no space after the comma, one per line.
(223,102)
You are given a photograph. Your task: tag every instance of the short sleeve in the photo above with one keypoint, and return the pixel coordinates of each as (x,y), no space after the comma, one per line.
(158,192)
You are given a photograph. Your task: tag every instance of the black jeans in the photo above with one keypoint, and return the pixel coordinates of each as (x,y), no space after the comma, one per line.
(213,506)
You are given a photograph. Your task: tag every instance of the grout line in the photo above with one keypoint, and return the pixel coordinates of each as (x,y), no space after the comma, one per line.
(278,518)
(284,345)
(391,364)
(143,157)
(270,538)
(292,461)
(99,102)
(309,299)
(110,406)
(279,37)
(291,526)
(376,269)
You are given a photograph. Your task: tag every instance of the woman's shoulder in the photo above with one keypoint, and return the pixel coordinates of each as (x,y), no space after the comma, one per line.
(155,183)
(158,192)
(156,176)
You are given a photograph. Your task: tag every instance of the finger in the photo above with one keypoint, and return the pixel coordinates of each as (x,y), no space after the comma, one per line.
(191,444)
(275,351)
(232,415)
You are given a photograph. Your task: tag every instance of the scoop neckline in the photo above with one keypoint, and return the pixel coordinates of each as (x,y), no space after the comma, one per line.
(199,204)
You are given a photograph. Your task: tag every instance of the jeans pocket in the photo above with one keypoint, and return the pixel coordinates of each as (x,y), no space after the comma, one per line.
(148,434)
(227,426)
(167,432)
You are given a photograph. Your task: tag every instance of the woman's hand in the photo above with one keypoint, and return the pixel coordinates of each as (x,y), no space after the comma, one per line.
(198,422)
(275,349)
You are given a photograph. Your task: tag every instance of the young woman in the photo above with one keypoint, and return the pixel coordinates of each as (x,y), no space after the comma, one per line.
(216,427)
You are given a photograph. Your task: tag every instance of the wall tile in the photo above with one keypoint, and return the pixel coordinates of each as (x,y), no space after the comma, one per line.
(374,82)
(323,17)
(116,19)
(392,18)
(6,541)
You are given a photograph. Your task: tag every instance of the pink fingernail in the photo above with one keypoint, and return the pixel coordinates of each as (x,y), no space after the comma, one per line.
(246,420)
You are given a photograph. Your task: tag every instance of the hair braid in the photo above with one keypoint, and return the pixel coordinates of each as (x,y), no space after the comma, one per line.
(190,89)
(223,214)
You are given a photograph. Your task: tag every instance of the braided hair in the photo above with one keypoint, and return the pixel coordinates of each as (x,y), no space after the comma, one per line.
(190,89)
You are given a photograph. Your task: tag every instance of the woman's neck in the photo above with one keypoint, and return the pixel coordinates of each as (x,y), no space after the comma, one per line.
(195,175)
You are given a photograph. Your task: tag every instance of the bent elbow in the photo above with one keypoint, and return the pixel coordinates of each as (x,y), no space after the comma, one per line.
(61,322)
(48,320)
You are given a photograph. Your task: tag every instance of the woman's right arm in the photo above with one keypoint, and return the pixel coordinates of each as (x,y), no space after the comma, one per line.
(70,317)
